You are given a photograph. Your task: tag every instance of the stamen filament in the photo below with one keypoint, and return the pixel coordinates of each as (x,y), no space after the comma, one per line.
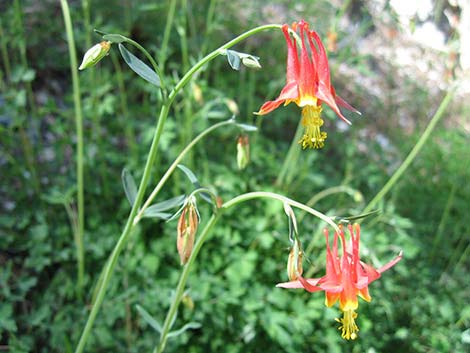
(311,120)
(348,326)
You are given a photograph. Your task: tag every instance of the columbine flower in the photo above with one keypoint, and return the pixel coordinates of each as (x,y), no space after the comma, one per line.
(345,279)
(308,84)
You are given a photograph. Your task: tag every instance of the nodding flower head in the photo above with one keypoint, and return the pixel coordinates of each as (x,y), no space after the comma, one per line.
(346,278)
(307,83)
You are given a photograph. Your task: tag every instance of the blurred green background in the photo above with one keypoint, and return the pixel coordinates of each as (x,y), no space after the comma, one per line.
(381,64)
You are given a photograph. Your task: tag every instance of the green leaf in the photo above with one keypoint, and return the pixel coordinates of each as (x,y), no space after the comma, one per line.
(233,59)
(188,326)
(115,38)
(156,210)
(149,319)
(353,218)
(191,176)
(193,179)
(129,185)
(101,33)
(139,67)
(247,127)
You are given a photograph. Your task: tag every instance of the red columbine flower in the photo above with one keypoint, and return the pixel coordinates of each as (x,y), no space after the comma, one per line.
(308,84)
(345,279)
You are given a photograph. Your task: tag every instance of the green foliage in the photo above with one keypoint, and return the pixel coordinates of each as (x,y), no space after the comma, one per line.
(231,303)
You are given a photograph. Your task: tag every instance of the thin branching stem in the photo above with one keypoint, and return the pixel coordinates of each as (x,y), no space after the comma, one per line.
(79,131)
(112,261)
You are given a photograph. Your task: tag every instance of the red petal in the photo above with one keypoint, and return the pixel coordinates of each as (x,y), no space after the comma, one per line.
(342,103)
(309,284)
(292,57)
(391,263)
(289,92)
(371,273)
(325,92)
(310,287)
(308,80)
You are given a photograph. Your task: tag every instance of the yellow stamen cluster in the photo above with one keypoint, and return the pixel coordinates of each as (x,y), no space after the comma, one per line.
(311,120)
(348,325)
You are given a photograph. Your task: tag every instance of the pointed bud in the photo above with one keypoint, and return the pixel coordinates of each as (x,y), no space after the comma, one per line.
(243,151)
(232,106)
(251,62)
(95,54)
(294,262)
(187,301)
(187,228)
(197,93)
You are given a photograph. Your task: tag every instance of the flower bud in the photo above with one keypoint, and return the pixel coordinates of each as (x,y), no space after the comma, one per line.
(95,54)
(251,62)
(186,231)
(294,262)
(197,93)
(243,151)
(232,106)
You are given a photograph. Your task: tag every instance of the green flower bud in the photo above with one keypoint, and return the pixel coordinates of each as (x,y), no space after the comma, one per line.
(243,151)
(95,54)
(294,262)
(251,62)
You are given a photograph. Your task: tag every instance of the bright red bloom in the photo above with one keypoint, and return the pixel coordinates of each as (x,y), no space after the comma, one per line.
(345,279)
(308,84)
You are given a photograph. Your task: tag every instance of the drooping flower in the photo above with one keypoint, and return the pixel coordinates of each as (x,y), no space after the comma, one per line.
(308,84)
(346,278)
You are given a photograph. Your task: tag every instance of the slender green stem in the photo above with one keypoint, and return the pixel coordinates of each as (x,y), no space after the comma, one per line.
(79,128)
(187,131)
(202,237)
(182,283)
(442,223)
(291,158)
(209,25)
(414,152)
(111,263)
(173,166)
(271,195)
(331,191)
(129,128)
(5,56)
(23,56)
(87,22)
(166,34)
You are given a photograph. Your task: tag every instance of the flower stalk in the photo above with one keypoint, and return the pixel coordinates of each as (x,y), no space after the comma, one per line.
(123,238)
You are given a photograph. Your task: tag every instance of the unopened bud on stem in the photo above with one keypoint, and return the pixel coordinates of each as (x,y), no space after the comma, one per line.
(187,228)
(243,151)
(294,262)
(95,54)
